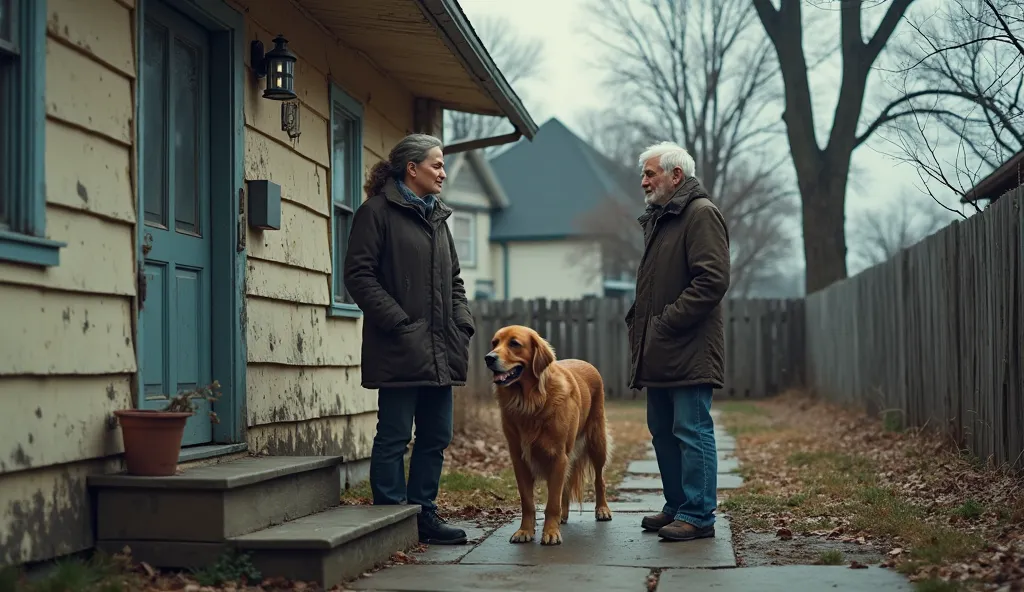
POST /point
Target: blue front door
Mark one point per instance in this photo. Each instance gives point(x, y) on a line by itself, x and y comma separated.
point(175, 195)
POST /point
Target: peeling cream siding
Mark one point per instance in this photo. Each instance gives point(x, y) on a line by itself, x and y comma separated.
point(559, 269)
point(67, 358)
point(304, 396)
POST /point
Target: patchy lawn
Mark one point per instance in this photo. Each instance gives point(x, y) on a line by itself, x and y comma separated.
point(827, 486)
point(478, 481)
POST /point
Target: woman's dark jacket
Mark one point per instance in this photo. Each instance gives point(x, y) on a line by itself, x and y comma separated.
point(402, 271)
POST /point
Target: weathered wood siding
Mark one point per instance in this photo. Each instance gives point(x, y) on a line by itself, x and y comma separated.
point(303, 376)
point(67, 358)
point(933, 336)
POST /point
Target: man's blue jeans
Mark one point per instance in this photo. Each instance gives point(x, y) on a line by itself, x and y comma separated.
point(396, 408)
point(684, 441)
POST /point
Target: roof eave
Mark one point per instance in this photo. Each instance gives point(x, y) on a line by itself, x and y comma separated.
point(494, 188)
point(992, 186)
point(458, 34)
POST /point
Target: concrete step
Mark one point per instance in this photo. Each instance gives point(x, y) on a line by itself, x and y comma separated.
point(331, 546)
point(210, 504)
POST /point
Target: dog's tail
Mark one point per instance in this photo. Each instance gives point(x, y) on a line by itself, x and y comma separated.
point(581, 471)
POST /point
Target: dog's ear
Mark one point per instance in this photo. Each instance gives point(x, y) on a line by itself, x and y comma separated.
point(543, 355)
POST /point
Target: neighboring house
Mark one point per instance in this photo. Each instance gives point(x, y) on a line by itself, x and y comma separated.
point(531, 203)
point(1000, 181)
point(132, 130)
point(474, 194)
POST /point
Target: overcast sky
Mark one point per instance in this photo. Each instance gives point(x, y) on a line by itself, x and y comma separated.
point(571, 85)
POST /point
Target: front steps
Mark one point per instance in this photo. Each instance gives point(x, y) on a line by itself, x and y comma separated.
point(283, 510)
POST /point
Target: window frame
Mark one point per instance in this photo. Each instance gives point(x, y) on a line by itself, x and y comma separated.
point(471, 217)
point(23, 135)
point(348, 198)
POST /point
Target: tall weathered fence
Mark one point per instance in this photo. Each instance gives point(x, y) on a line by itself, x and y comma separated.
point(764, 341)
point(933, 335)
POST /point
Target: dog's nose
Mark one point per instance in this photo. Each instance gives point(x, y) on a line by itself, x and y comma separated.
point(491, 358)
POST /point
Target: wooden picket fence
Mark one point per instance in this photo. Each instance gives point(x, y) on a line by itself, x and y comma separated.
point(764, 341)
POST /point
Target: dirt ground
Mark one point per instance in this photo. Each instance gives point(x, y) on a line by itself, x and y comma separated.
point(832, 486)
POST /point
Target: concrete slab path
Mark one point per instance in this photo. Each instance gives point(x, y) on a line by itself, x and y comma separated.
point(615, 555)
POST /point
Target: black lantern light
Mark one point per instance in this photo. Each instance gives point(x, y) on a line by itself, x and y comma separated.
point(278, 66)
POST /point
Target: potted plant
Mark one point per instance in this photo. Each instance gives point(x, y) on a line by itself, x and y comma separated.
point(152, 437)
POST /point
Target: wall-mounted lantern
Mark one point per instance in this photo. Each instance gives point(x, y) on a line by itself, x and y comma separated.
point(277, 66)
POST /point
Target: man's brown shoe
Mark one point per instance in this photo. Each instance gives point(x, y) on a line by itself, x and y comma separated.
point(656, 522)
point(684, 531)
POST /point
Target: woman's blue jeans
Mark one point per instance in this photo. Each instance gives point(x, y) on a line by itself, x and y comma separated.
point(431, 407)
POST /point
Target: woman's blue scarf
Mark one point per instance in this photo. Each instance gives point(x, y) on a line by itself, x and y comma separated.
point(425, 204)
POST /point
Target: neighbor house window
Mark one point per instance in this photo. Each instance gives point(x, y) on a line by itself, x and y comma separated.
point(346, 188)
point(22, 134)
point(463, 227)
point(484, 290)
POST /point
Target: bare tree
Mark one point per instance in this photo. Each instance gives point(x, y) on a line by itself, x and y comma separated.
point(877, 235)
point(519, 57)
point(822, 173)
point(964, 73)
point(701, 73)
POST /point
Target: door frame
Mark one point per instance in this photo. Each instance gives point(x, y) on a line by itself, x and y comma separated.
point(227, 221)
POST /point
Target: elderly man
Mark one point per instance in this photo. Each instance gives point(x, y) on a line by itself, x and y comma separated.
point(676, 337)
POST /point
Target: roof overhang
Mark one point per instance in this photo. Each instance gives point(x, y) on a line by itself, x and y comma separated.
point(1005, 178)
point(430, 48)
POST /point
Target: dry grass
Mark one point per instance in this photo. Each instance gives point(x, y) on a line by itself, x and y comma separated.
point(815, 470)
point(478, 481)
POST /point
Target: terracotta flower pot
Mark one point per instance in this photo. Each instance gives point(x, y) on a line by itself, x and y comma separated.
point(152, 440)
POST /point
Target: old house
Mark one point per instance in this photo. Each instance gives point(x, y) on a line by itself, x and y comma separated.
point(164, 223)
point(549, 218)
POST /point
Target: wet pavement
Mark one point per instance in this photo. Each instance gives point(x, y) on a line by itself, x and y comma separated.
point(615, 555)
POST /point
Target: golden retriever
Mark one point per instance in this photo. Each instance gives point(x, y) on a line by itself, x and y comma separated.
point(552, 413)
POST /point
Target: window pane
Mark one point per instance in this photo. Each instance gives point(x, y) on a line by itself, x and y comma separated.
point(6, 20)
point(186, 79)
point(343, 158)
point(154, 120)
point(342, 219)
point(463, 227)
point(463, 248)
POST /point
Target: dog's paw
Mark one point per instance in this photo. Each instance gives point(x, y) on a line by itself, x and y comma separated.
point(603, 514)
point(551, 537)
point(564, 519)
point(521, 536)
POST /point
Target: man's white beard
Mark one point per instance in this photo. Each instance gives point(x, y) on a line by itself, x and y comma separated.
point(657, 197)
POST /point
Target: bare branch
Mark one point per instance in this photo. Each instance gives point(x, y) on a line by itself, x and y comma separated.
point(701, 73)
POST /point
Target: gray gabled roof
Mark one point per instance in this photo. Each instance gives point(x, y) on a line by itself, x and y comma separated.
point(553, 181)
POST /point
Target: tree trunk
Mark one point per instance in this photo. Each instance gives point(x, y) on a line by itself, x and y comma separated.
point(824, 205)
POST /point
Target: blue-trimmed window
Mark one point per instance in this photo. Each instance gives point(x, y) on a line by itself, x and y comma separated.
point(346, 189)
point(22, 135)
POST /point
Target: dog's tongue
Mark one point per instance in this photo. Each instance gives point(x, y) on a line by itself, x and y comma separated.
point(501, 377)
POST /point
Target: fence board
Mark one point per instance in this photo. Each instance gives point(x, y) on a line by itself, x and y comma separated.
point(763, 353)
point(933, 335)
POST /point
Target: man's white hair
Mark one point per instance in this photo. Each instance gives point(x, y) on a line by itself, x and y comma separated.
point(670, 155)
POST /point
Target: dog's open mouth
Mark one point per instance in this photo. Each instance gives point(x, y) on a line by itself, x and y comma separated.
point(507, 378)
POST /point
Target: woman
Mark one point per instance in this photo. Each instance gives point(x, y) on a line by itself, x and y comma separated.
point(402, 271)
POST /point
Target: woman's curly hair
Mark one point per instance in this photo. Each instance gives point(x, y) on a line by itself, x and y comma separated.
point(412, 148)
